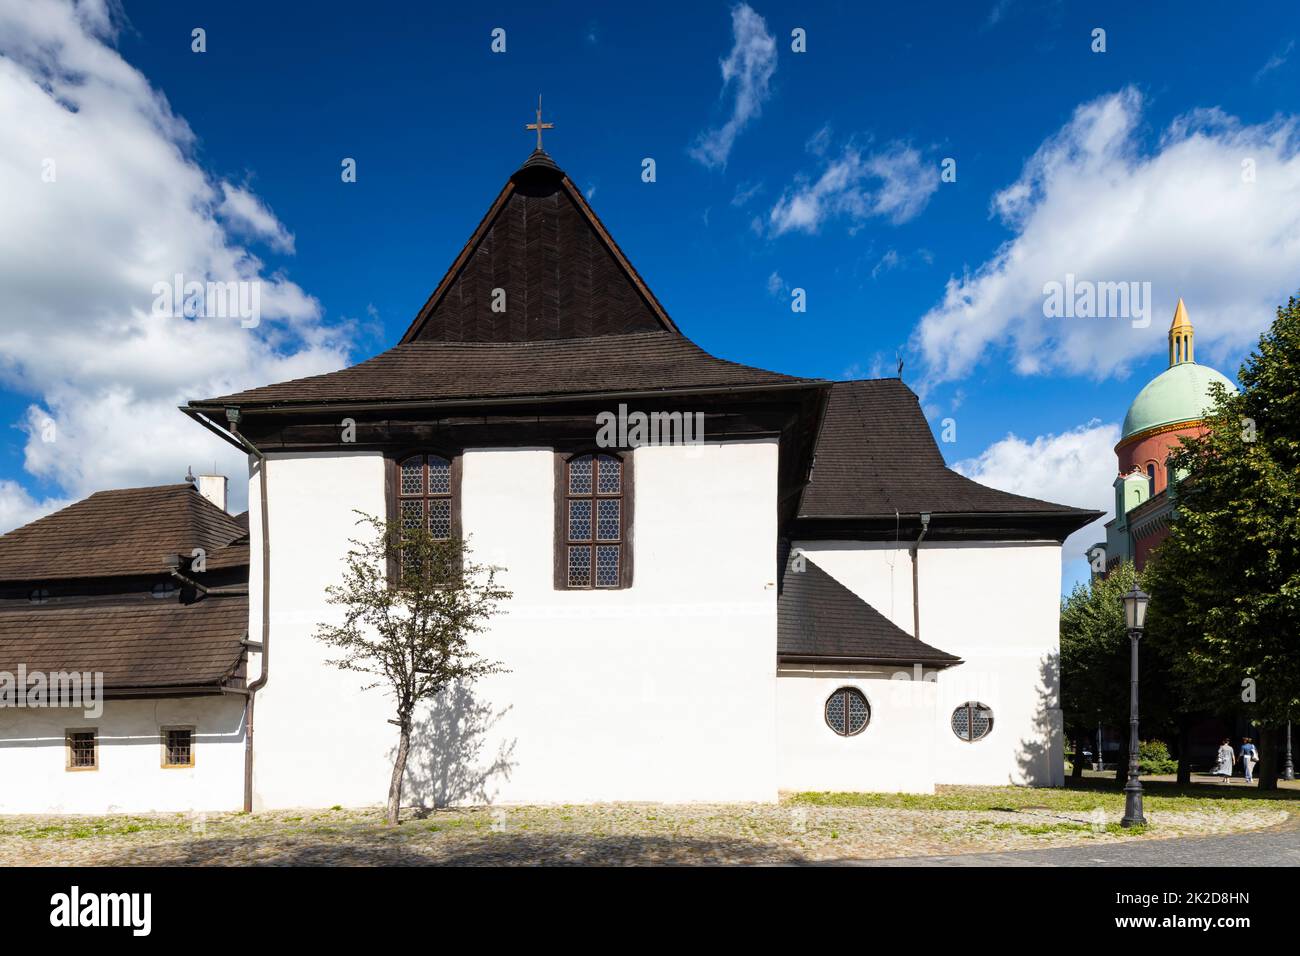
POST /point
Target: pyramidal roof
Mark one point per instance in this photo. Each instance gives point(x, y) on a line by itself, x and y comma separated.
point(540, 303)
point(126, 531)
point(539, 266)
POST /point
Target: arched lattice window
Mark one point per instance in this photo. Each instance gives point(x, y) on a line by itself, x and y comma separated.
point(847, 711)
point(972, 721)
point(1151, 479)
point(424, 494)
point(594, 521)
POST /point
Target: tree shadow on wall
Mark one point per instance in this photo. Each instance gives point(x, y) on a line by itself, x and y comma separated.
point(448, 765)
point(1034, 755)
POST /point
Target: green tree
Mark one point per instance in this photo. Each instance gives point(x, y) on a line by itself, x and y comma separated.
point(1095, 661)
point(411, 602)
point(1225, 585)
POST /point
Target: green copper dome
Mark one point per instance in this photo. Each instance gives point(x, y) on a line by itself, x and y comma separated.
point(1180, 393)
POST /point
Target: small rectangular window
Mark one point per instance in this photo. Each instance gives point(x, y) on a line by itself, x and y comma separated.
point(178, 746)
point(83, 749)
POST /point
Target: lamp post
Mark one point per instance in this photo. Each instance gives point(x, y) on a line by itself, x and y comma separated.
point(1288, 768)
point(1135, 616)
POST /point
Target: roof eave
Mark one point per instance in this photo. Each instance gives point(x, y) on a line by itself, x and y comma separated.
point(940, 664)
point(259, 408)
point(950, 525)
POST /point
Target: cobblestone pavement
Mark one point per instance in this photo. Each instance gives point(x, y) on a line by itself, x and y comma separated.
point(989, 822)
point(1271, 846)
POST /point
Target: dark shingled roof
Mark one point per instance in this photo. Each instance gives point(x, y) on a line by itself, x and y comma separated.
point(233, 555)
point(114, 533)
point(819, 618)
point(148, 644)
point(876, 455)
point(433, 371)
point(561, 273)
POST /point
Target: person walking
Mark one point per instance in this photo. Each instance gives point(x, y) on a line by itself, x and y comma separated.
point(1226, 758)
point(1249, 757)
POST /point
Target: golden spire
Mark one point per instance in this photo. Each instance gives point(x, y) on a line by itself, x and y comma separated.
point(1181, 348)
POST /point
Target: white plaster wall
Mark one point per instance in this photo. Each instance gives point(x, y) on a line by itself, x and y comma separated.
point(895, 752)
point(317, 739)
point(130, 778)
point(995, 605)
point(663, 691)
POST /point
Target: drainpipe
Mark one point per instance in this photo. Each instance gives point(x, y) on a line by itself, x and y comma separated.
point(232, 416)
point(916, 595)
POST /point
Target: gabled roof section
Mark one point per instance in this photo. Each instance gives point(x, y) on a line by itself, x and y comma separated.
point(819, 619)
point(877, 457)
point(147, 644)
point(562, 274)
point(114, 533)
point(432, 371)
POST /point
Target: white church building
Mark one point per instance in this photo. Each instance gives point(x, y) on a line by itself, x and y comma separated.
point(801, 596)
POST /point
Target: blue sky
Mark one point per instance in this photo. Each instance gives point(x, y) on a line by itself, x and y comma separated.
point(830, 184)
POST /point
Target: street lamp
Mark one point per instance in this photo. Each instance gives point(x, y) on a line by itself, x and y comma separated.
point(1135, 616)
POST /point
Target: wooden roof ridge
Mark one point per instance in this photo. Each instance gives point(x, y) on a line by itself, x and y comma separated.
point(539, 160)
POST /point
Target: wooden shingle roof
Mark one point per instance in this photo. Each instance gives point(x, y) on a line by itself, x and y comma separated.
point(115, 533)
point(144, 644)
point(876, 457)
point(819, 619)
point(434, 371)
point(558, 271)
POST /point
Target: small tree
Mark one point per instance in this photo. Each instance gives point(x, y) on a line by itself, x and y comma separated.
point(411, 602)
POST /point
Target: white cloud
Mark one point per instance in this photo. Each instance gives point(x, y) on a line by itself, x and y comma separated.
point(247, 214)
point(18, 507)
point(890, 260)
point(895, 184)
point(775, 284)
point(745, 192)
point(747, 76)
point(1074, 468)
point(820, 141)
point(893, 259)
point(1094, 202)
point(1274, 61)
point(129, 207)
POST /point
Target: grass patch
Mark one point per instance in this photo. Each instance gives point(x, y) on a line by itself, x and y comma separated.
point(91, 828)
point(1077, 796)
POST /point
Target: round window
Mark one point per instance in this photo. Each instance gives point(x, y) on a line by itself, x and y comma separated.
point(972, 721)
point(847, 711)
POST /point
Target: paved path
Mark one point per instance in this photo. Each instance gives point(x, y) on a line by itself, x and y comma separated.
point(1274, 846)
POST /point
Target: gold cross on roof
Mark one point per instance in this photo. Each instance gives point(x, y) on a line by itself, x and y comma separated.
point(539, 125)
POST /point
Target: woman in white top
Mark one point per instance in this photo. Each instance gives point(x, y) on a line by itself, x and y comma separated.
point(1226, 758)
